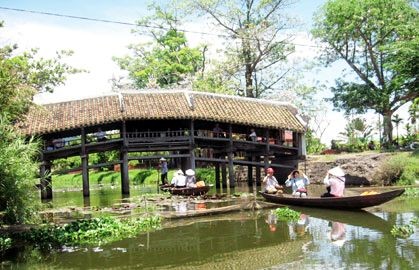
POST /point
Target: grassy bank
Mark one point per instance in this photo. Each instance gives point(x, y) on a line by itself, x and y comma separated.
point(400, 169)
point(136, 176)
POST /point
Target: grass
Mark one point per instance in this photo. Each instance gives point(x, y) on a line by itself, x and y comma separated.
point(400, 169)
point(106, 178)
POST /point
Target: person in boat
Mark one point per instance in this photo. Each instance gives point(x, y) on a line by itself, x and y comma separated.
point(163, 169)
point(179, 179)
point(271, 184)
point(335, 182)
point(190, 178)
point(298, 183)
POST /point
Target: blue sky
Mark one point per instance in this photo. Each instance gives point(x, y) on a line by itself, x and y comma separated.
point(95, 43)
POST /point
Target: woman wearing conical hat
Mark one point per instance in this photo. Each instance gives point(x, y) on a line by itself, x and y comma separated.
point(335, 182)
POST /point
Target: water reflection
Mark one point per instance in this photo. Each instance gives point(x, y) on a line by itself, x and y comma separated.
point(337, 233)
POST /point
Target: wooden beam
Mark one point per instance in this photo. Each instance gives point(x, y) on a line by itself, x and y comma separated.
point(45, 181)
point(249, 173)
point(224, 175)
point(159, 156)
point(212, 160)
point(217, 175)
point(230, 157)
point(192, 145)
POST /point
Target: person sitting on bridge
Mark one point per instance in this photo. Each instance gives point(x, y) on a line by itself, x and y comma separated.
point(179, 179)
point(252, 136)
point(298, 183)
point(270, 182)
point(217, 132)
point(190, 178)
point(100, 135)
point(335, 182)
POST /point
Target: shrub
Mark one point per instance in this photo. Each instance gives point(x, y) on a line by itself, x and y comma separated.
point(402, 169)
point(18, 174)
point(140, 177)
point(205, 174)
point(287, 214)
point(5, 243)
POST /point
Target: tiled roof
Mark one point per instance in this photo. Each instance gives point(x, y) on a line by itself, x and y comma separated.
point(50, 118)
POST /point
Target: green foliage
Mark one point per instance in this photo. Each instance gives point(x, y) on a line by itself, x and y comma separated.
point(401, 169)
point(414, 221)
point(5, 243)
point(165, 62)
point(18, 173)
point(206, 174)
point(287, 214)
point(141, 176)
point(403, 231)
point(314, 146)
point(90, 232)
point(379, 42)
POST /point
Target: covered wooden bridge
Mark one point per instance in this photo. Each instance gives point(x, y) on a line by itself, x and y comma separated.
point(193, 128)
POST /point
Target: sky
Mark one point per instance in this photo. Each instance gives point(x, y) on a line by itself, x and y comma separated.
point(95, 43)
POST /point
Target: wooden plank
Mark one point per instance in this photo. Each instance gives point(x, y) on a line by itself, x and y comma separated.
point(124, 157)
point(212, 160)
point(159, 156)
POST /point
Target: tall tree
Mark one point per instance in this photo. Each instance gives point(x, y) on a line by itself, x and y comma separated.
point(22, 76)
point(167, 60)
point(378, 40)
point(256, 42)
point(397, 120)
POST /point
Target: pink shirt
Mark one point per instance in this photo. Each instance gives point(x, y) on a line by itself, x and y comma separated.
point(337, 184)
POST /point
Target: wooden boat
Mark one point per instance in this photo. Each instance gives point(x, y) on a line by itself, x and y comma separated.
point(345, 203)
point(165, 187)
point(189, 191)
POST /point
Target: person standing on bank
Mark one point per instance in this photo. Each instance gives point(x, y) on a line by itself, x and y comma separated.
point(335, 182)
point(163, 170)
point(298, 183)
point(271, 184)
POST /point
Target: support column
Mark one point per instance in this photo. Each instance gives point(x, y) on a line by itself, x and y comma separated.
point(267, 149)
point(230, 158)
point(258, 180)
point(45, 181)
point(224, 174)
point(249, 173)
point(124, 165)
point(217, 175)
point(84, 163)
point(192, 145)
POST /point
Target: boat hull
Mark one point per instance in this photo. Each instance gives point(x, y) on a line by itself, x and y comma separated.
point(346, 203)
point(189, 191)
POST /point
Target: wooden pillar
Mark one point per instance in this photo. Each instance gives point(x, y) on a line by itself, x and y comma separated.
point(217, 175)
point(124, 157)
point(249, 173)
point(295, 140)
point(192, 145)
point(230, 157)
point(258, 180)
point(302, 152)
point(84, 164)
point(224, 174)
point(267, 149)
point(45, 181)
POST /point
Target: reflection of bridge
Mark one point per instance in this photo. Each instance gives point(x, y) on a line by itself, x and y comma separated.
point(173, 124)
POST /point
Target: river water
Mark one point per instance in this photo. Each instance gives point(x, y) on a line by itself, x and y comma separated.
point(320, 239)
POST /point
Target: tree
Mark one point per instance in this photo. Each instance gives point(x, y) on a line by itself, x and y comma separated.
point(254, 46)
point(379, 42)
point(167, 60)
point(22, 76)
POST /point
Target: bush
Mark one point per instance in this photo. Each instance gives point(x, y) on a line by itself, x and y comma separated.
point(19, 200)
point(402, 169)
point(5, 243)
point(140, 177)
point(205, 174)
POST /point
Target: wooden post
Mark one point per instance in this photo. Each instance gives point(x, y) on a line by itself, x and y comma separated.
point(192, 145)
point(217, 175)
point(45, 181)
point(84, 163)
point(230, 157)
point(267, 149)
point(249, 173)
point(124, 157)
point(224, 174)
point(295, 141)
point(258, 180)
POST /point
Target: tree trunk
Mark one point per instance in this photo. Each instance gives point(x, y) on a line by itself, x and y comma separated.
point(388, 129)
point(249, 81)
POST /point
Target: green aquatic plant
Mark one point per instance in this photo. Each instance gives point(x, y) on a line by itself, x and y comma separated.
point(287, 214)
point(92, 231)
point(402, 231)
point(411, 192)
point(5, 243)
point(415, 221)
